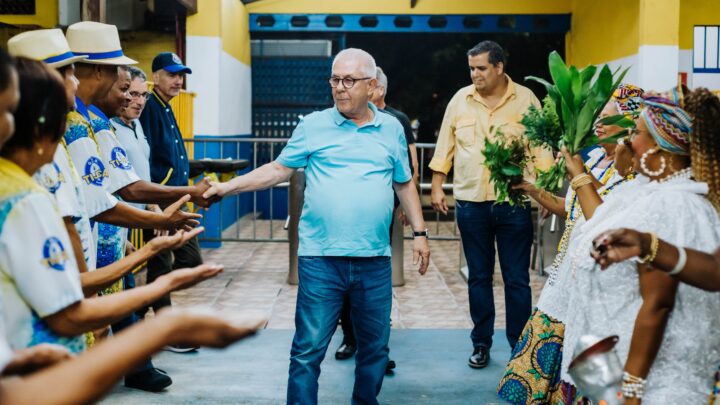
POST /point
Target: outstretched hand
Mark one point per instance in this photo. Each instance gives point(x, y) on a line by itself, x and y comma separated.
point(35, 358)
point(172, 242)
point(175, 218)
point(216, 190)
point(198, 196)
point(208, 328)
point(525, 187)
point(185, 278)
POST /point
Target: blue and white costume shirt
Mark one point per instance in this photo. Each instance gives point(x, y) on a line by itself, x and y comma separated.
point(38, 272)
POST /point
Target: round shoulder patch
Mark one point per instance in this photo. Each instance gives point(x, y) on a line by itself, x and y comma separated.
point(94, 172)
point(119, 158)
point(54, 254)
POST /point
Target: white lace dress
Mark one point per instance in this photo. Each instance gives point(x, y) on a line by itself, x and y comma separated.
point(553, 299)
point(607, 302)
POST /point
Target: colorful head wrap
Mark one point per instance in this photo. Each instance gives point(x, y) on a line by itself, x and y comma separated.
point(669, 125)
point(628, 100)
point(676, 95)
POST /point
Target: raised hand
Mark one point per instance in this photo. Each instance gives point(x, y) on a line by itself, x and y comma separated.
point(185, 278)
point(165, 242)
point(206, 327)
point(618, 245)
point(573, 163)
point(175, 218)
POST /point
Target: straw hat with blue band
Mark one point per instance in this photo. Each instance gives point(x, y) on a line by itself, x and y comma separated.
point(49, 46)
point(100, 42)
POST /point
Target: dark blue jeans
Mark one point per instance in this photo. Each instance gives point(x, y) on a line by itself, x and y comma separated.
point(481, 226)
point(324, 281)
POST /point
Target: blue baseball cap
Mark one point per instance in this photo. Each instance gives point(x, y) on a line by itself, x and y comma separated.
point(170, 62)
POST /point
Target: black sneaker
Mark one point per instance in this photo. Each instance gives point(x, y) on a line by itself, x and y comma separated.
point(151, 380)
point(480, 357)
point(390, 367)
point(180, 348)
point(345, 351)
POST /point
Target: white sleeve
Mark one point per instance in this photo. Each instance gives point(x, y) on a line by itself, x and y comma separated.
point(6, 353)
point(90, 167)
point(119, 167)
point(41, 262)
point(59, 178)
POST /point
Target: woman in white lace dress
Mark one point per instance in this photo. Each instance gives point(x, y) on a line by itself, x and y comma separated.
point(533, 373)
point(666, 329)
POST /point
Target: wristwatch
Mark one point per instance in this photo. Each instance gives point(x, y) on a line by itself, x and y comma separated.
point(424, 233)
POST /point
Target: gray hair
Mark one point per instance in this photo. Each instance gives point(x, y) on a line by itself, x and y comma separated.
point(368, 65)
point(382, 79)
point(137, 73)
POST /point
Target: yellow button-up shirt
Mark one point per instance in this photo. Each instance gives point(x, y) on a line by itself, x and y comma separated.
point(467, 122)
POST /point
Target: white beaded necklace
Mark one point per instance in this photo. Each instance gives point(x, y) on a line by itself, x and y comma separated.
point(685, 174)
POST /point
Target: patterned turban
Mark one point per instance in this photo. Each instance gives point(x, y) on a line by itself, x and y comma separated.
point(669, 125)
point(676, 95)
point(628, 100)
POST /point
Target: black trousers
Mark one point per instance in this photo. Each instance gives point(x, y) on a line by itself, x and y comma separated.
point(187, 255)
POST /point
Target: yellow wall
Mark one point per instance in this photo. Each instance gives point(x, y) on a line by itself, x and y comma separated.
point(599, 33)
point(143, 46)
point(235, 32)
point(206, 22)
point(403, 6)
point(46, 15)
point(227, 19)
point(696, 12)
point(659, 22)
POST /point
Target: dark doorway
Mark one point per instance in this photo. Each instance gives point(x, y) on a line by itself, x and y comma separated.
point(425, 70)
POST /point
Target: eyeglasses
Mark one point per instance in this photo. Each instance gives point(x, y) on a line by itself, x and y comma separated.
point(347, 82)
point(135, 94)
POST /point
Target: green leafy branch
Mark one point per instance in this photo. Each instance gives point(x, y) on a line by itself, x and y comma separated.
point(506, 159)
point(574, 101)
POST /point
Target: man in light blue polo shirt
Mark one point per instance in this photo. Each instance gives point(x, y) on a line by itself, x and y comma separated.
point(354, 156)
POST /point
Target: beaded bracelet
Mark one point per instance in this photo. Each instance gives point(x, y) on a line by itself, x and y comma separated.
point(654, 244)
point(580, 180)
point(632, 386)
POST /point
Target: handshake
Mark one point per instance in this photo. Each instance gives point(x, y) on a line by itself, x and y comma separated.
point(203, 195)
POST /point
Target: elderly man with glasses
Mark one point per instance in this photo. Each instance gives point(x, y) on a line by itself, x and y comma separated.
point(353, 156)
point(128, 128)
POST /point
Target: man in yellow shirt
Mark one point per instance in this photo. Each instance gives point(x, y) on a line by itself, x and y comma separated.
point(476, 112)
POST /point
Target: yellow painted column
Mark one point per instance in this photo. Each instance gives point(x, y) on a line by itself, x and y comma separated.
point(218, 51)
point(658, 54)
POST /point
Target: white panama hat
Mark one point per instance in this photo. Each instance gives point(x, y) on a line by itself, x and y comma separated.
point(100, 42)
point(49, 46)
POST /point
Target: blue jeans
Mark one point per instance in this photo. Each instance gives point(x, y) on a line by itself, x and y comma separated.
point(324, 282)
point(481, 226)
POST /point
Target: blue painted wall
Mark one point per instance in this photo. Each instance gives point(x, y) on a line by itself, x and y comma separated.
point(224, 214)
